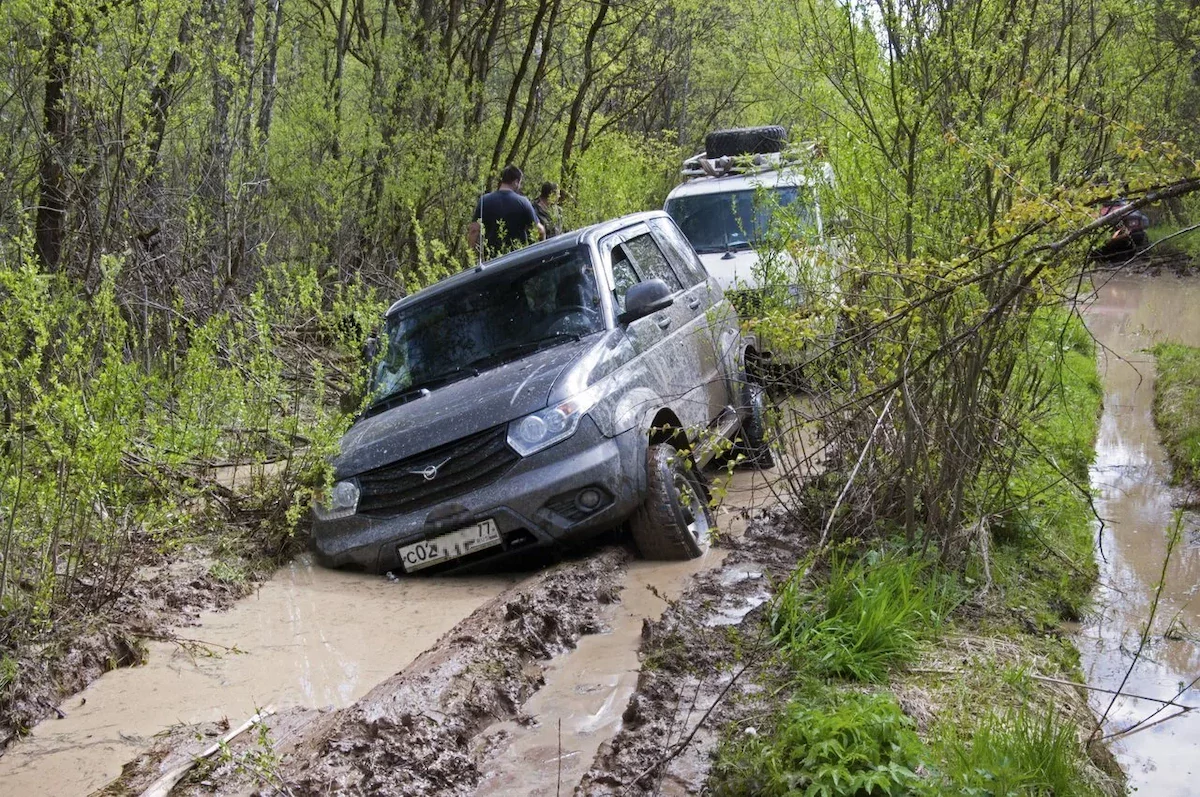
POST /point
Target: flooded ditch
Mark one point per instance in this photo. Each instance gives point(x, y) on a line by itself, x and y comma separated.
point(1131, 480)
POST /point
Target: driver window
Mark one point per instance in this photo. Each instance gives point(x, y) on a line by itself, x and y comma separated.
point(624, 276)
point(651, 263)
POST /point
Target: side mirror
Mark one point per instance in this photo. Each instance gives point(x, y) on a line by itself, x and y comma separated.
point(371, 348)
point(646, 298)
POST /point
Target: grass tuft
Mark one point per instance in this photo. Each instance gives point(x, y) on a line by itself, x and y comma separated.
point(1019, 753)
point(867, 618)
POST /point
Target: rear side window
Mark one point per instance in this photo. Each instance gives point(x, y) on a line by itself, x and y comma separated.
point(679, 252)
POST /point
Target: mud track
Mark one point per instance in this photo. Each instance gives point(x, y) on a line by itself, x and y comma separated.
point(703, 663)
point(447, 721)
point(411, 734)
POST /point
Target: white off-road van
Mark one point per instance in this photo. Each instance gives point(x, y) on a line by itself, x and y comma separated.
point(750, 205)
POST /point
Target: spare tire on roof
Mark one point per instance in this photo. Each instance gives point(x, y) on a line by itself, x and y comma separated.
point(745, 141)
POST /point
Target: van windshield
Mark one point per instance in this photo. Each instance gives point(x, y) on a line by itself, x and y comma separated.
point(734, 220)
point(487, 322)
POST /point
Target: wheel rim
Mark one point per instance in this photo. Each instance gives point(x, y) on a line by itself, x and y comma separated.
point(693, 508)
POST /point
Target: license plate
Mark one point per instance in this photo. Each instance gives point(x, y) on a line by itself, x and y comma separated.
point(449, 546)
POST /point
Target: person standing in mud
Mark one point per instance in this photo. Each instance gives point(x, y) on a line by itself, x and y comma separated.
point(548, 212)
point(504, 219)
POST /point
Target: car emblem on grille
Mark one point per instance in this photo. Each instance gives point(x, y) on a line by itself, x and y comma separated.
point(430, 472)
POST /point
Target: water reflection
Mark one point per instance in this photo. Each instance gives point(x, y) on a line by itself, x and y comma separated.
point(1130, 477)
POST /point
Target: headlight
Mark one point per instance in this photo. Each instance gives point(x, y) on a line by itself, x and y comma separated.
point(342, 502)
point(546, 427)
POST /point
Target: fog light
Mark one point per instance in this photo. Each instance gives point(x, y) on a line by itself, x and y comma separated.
point(588, 499)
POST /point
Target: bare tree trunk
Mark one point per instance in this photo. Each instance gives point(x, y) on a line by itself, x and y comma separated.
point(585, 84)
point(539, 73)
point(535, 31)
point(51, 225)
point(340, 45)
point(270, 69)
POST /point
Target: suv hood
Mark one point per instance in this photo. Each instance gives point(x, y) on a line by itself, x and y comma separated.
point(732, 273)
point(455, 410)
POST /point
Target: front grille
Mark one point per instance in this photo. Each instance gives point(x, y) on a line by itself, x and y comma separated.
point(466, 464)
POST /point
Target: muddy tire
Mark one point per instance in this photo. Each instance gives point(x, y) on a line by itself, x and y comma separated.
point(753, 443)
point(745, 141)
point(674, 521)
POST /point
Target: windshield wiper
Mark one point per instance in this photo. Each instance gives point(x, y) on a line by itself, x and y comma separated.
point(421, 390)
point(517, 349)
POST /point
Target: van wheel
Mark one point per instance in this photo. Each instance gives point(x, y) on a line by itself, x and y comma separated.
point(674, 522)
point(754, 442)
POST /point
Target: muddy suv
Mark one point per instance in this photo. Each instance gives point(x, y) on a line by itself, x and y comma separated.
point(544, 397)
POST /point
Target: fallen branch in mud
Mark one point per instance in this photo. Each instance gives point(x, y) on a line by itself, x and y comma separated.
point(163, 786)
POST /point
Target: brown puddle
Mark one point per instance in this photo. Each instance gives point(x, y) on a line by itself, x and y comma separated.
point(586, 691)
point(309, 637)
point(1130, 477)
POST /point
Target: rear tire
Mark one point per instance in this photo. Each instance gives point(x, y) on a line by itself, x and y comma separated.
point(745, 141)
point(674, 522)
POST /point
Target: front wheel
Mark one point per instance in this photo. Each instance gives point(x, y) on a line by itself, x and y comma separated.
point(753, 443)
point(674, 522)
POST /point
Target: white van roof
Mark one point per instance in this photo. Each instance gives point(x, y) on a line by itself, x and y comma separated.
point(773, 178)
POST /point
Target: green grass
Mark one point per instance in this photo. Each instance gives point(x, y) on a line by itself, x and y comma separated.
point(866, 619)
point(1019, 753)
point(1043, 558)
point(890, 619)
point(1188, 242)
point(840, 744)
point(1177, 407)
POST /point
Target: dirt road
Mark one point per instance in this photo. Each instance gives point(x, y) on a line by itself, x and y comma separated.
point(316, 639)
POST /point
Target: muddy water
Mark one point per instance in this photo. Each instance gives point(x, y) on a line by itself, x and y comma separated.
point(310, 637)
point(587, 690)
point(1130, 478)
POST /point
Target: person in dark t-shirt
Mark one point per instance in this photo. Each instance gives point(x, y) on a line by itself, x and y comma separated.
point(506, 219)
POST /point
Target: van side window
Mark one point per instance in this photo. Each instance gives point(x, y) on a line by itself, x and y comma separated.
point(651, 262)
point(679, 252)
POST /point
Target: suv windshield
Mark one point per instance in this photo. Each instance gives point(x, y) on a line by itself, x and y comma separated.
point(731, 219)
point(487, 322)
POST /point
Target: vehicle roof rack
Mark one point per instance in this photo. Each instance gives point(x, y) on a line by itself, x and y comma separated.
point(699, 165)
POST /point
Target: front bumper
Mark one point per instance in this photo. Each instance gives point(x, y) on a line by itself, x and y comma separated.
point(531, 505)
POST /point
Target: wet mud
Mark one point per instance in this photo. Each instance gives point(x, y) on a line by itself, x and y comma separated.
point(414, 732)
point(1131, 478)
point(521, 697)
point(166, 591)
point(308, 637)
point(702, 666)
point(585, 699)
